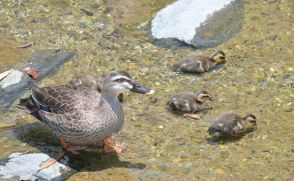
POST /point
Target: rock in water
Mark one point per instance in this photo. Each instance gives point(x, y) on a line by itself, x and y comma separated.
point(16, 81)
point(24, 166)
point(200, 23)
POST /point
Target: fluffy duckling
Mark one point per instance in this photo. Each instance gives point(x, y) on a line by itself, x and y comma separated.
point(232, 125)
point(199, 63)
point(188, 103)
point(89, 81)
point(92, 82)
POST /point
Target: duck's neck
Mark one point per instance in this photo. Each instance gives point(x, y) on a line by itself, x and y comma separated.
point(112, 99)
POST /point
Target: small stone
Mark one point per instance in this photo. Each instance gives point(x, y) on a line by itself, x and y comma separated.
point(254, 18)
point(219, 171)
point(95, 5)
point(160, 126)
point(88, 13)
point(273, 37)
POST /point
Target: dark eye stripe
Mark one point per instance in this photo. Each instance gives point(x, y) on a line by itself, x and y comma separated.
point(122, 80)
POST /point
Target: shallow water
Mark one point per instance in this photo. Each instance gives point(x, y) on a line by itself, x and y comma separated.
point(257, 78)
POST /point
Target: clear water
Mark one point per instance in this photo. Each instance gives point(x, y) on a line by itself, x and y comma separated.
point(257, 78)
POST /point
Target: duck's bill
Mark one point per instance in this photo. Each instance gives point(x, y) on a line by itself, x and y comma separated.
point(141, 89)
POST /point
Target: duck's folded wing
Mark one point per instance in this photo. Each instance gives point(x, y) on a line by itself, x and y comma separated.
point(63, 104)
point(191, 65)
point(60, 123)
point(64, 99)
point(59, 99)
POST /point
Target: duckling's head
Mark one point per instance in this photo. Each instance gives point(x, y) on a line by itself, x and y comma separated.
point(202, 96)
point(120, 81)
point(250, 120)
point(218, 56)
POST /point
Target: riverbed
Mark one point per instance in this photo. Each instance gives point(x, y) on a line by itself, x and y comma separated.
point(257, 78)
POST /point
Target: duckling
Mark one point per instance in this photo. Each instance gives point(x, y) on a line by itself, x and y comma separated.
point(88, 81)
point(93, 82)
point(199, 63)
point(232, 125)
point(188, 103)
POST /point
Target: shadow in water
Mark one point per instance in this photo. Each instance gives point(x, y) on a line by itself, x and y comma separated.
point(220, 141)
point(38, 136)
point(224, 140)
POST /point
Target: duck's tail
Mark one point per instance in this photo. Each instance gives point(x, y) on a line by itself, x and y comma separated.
point(27, 104)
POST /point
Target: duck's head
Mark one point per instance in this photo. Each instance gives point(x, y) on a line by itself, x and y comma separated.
point(250, 120)
point(218, 56)
point(119, 81)
point(202, 96)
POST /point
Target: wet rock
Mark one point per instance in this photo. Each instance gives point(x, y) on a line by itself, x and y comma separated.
point(13, 77)
point(197, 23)
point(25, 45)
point(15, 83)
point(24, 166)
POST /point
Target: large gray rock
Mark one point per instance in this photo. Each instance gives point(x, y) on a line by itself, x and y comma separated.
point(24, 166)
point(200, 23)
point(16, 81)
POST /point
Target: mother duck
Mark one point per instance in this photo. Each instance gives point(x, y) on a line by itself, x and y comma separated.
point(81, 116)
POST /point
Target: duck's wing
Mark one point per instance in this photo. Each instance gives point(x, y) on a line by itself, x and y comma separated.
point(61, 99)
point(229, 124)
point(64, 103)
point(181, 102)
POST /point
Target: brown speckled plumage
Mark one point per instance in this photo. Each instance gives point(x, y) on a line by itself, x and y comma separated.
point(198, 63)
point(232, 125)
point(186, 102)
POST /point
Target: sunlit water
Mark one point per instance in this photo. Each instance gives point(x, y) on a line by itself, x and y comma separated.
point(257, 78)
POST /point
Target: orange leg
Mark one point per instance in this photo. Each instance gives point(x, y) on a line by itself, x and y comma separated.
point(67, 145)
point(56, 157)
point(109, 145)
point(64, 144)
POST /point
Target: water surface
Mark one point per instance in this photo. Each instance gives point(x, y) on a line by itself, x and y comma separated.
point(257, 78)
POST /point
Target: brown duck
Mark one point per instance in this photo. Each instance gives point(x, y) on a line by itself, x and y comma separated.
point(188, 103)
point(81, 116)
point(196, 63)
point(232, 125)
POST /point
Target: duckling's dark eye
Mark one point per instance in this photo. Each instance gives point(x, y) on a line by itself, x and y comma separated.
point(121, 80)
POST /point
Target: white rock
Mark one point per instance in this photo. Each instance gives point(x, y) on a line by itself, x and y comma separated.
point(200, 23)
point(13, 77)
point(25, 166)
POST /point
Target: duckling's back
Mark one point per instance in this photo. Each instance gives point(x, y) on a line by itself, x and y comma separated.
point(193, 64)
point(224, 125)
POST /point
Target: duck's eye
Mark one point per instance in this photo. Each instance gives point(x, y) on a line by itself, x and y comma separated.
point(120, 80)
